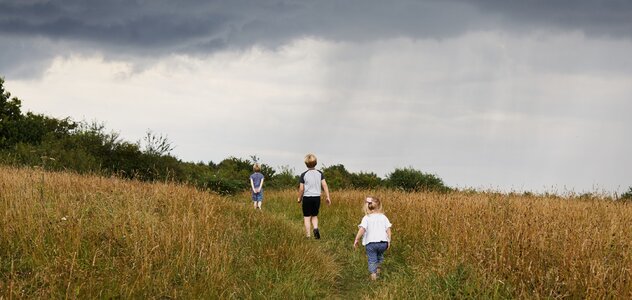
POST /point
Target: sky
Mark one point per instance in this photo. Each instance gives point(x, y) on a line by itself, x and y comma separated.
point(486, 94)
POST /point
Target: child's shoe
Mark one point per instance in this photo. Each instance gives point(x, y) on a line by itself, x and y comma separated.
point(373, 276)
point(316, 234)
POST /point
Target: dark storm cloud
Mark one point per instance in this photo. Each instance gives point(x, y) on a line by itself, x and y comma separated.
point(116, 23)
point(594, 17)
point(174, 24)
point(162, 23)
point(153, 28)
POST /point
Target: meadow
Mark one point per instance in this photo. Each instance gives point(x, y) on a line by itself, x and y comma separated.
point(64, 235)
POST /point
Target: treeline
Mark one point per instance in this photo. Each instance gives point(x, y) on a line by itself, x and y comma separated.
point(28, 139)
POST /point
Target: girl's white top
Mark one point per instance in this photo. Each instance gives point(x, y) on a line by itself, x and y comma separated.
point(375, 226)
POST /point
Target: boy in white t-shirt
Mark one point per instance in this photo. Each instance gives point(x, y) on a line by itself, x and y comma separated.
point(375, 230)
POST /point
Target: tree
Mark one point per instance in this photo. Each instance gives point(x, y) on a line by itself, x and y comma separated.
point(10, 115)
point(156, 144)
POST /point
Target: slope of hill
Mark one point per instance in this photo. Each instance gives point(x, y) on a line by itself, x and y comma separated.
point(65, 235)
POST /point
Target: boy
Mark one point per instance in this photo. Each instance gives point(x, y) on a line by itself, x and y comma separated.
point(256, 186)
point(311, 183)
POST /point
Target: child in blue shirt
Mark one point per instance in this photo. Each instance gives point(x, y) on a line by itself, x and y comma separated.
point(256, 186)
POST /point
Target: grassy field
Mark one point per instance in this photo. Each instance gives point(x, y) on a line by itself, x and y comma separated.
point(69, 236)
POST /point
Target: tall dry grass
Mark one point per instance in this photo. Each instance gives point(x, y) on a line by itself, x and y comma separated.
point(486, 245)
point(70, 236)
point(531, 247)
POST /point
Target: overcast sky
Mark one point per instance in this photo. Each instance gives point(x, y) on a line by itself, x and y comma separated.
point(489, 94)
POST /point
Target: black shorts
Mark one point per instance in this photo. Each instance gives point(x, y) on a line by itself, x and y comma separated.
point(311, 205)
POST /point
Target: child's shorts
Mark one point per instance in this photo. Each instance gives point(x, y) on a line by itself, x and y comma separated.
point(257, 197)
point(311, 205)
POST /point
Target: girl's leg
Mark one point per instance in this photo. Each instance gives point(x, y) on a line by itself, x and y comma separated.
point(259, 204)
point(371, 254)
point(307, 221)
point(380, 255)
point(255, 204)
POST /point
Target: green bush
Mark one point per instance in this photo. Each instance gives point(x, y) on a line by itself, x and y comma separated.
point(337, 177)
point(224, 186)
point(409, 179)
point(283, 180)
point(627, 195)
point(365, 180)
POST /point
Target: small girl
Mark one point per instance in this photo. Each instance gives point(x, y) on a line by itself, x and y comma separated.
point(375, 230)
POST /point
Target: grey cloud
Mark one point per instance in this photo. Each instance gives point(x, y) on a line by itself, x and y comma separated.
point(155, 28)
point(603, 17)
point(155, 23)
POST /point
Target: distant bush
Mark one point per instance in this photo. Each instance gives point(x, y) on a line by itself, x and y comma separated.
point(28, 139)
point(365, 180)
point(337, 177)
point(627, 195)
point(286, 179)
point(224, 186)
point(409, 179)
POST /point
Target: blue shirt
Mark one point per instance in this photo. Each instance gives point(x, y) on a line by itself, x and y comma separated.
point(256, 179)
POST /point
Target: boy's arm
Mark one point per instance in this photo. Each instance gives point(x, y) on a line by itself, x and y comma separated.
point(390, 240)
point(261, 185)
point(252, 186)
point(324, 184)
point(358, 236)
point(301, 189)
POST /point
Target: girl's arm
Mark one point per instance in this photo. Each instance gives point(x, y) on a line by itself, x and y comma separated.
point(358, 236)
point(390, 240)
point(252, 186)
point(301, 189)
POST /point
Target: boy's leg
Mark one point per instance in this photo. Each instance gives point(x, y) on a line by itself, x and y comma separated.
point(307, 222)
point(315, 225)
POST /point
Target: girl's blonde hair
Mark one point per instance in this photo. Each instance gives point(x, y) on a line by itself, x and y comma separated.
point(310, 160)
point(372, 205)
point(256, 168)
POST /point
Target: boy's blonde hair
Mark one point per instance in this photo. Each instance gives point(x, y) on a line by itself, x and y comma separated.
point(256, 168)
point(310, 160)
point(372, 205)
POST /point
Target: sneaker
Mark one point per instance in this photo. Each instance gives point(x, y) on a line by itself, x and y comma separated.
point(316, 234)
point(373, 276)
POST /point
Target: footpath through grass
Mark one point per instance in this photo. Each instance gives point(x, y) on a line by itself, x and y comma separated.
point(338, 226)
